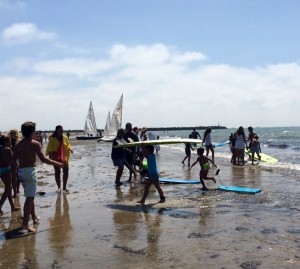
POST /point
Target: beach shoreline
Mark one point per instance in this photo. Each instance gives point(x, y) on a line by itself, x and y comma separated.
point(99, 226)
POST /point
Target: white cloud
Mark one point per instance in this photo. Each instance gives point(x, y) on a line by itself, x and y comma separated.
point(160, 88)
point(12, 4)
point(25, 33)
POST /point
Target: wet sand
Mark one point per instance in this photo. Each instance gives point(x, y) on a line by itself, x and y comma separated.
point(98, 226)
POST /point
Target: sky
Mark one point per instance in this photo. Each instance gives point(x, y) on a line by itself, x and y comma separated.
point(178, 63)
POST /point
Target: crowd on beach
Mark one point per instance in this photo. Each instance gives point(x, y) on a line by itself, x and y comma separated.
point(18, 166)
point(18, 161)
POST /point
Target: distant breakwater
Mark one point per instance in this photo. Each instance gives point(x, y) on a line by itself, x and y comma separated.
point(184, 128)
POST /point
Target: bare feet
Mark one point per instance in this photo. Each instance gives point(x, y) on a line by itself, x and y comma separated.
point(29, 229)
point(141, 202)
point(66, 191)
point(36, 220)
point(204, 189)
point(16, 208)
point(213, 179)
point(58, 190)
point(162, 199)
point(1, 212)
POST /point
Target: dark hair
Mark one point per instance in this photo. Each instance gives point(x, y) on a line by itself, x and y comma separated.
point(200, 151)
point(27, 128)
point(150, 148)
point(56, 129)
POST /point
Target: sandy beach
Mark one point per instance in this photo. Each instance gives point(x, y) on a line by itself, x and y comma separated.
point(99, 226)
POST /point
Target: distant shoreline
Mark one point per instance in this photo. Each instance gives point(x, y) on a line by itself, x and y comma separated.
point(166, 128)
point(149, 129)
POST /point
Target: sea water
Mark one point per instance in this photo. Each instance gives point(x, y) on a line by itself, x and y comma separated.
point(282, 143)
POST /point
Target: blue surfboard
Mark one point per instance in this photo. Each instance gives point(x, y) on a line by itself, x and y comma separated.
point(179, 181)
point(239, 189)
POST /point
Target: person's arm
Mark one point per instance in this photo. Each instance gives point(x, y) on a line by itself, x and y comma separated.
point(44, 159)
point(211, 161)
point(193, 164)
point(245, 141)
point(9, 153)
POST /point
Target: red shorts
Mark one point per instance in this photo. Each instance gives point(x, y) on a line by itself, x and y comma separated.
point(203, 173)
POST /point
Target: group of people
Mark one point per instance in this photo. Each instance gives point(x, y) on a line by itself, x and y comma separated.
point(18, 163)
point(120, 158)
point(128, 157)
point(238, 142)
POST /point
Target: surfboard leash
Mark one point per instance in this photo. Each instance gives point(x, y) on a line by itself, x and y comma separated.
point(217, 174)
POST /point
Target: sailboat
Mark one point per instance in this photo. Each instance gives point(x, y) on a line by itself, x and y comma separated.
point(113, 123)
point(90, 127)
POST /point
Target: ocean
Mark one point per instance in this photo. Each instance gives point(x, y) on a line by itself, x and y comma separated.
point(282, 143)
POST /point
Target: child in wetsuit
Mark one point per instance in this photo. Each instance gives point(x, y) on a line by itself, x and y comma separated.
point(204, 164)
point(148, 152)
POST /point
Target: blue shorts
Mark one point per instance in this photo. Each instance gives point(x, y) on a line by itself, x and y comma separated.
point(254, 149)
point(27, 177)
point(4, 170)
point(119, 162)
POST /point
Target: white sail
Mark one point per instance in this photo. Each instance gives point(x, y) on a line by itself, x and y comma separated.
point(107, 125)
point(90, 127)
point(116, 118)
point(114, 123)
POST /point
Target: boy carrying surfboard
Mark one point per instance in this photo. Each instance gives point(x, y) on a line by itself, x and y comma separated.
point(204, 164)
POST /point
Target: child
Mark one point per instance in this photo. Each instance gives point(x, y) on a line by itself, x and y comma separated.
point(204, 164)
point(188, 148)
point(6, 156)
point(24, 157)
point(255, 148)
point(148, 152)
point(143, 170)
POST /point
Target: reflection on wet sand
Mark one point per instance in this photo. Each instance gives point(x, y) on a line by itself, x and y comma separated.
point(18, 246)
point(60, 227)
point(134, 221)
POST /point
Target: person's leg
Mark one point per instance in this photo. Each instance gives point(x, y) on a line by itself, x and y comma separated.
point(131, 170)
point(119, 174)
point(65, 176)
point(6, 178)
point(184, 159)
point(212, 153)
point(204, 188)
point(160, 191)
point(14, 182)
point(34, 217)
point(57, 178)
point(27, 211)
point(146, 191)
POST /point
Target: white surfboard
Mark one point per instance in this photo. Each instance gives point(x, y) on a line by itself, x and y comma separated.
point(160, 142)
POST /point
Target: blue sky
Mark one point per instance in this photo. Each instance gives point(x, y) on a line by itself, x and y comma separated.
point(178, 63)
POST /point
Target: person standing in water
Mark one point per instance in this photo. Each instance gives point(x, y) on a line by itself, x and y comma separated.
point(59, 150)
point(188, 148)
point(208, 144)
